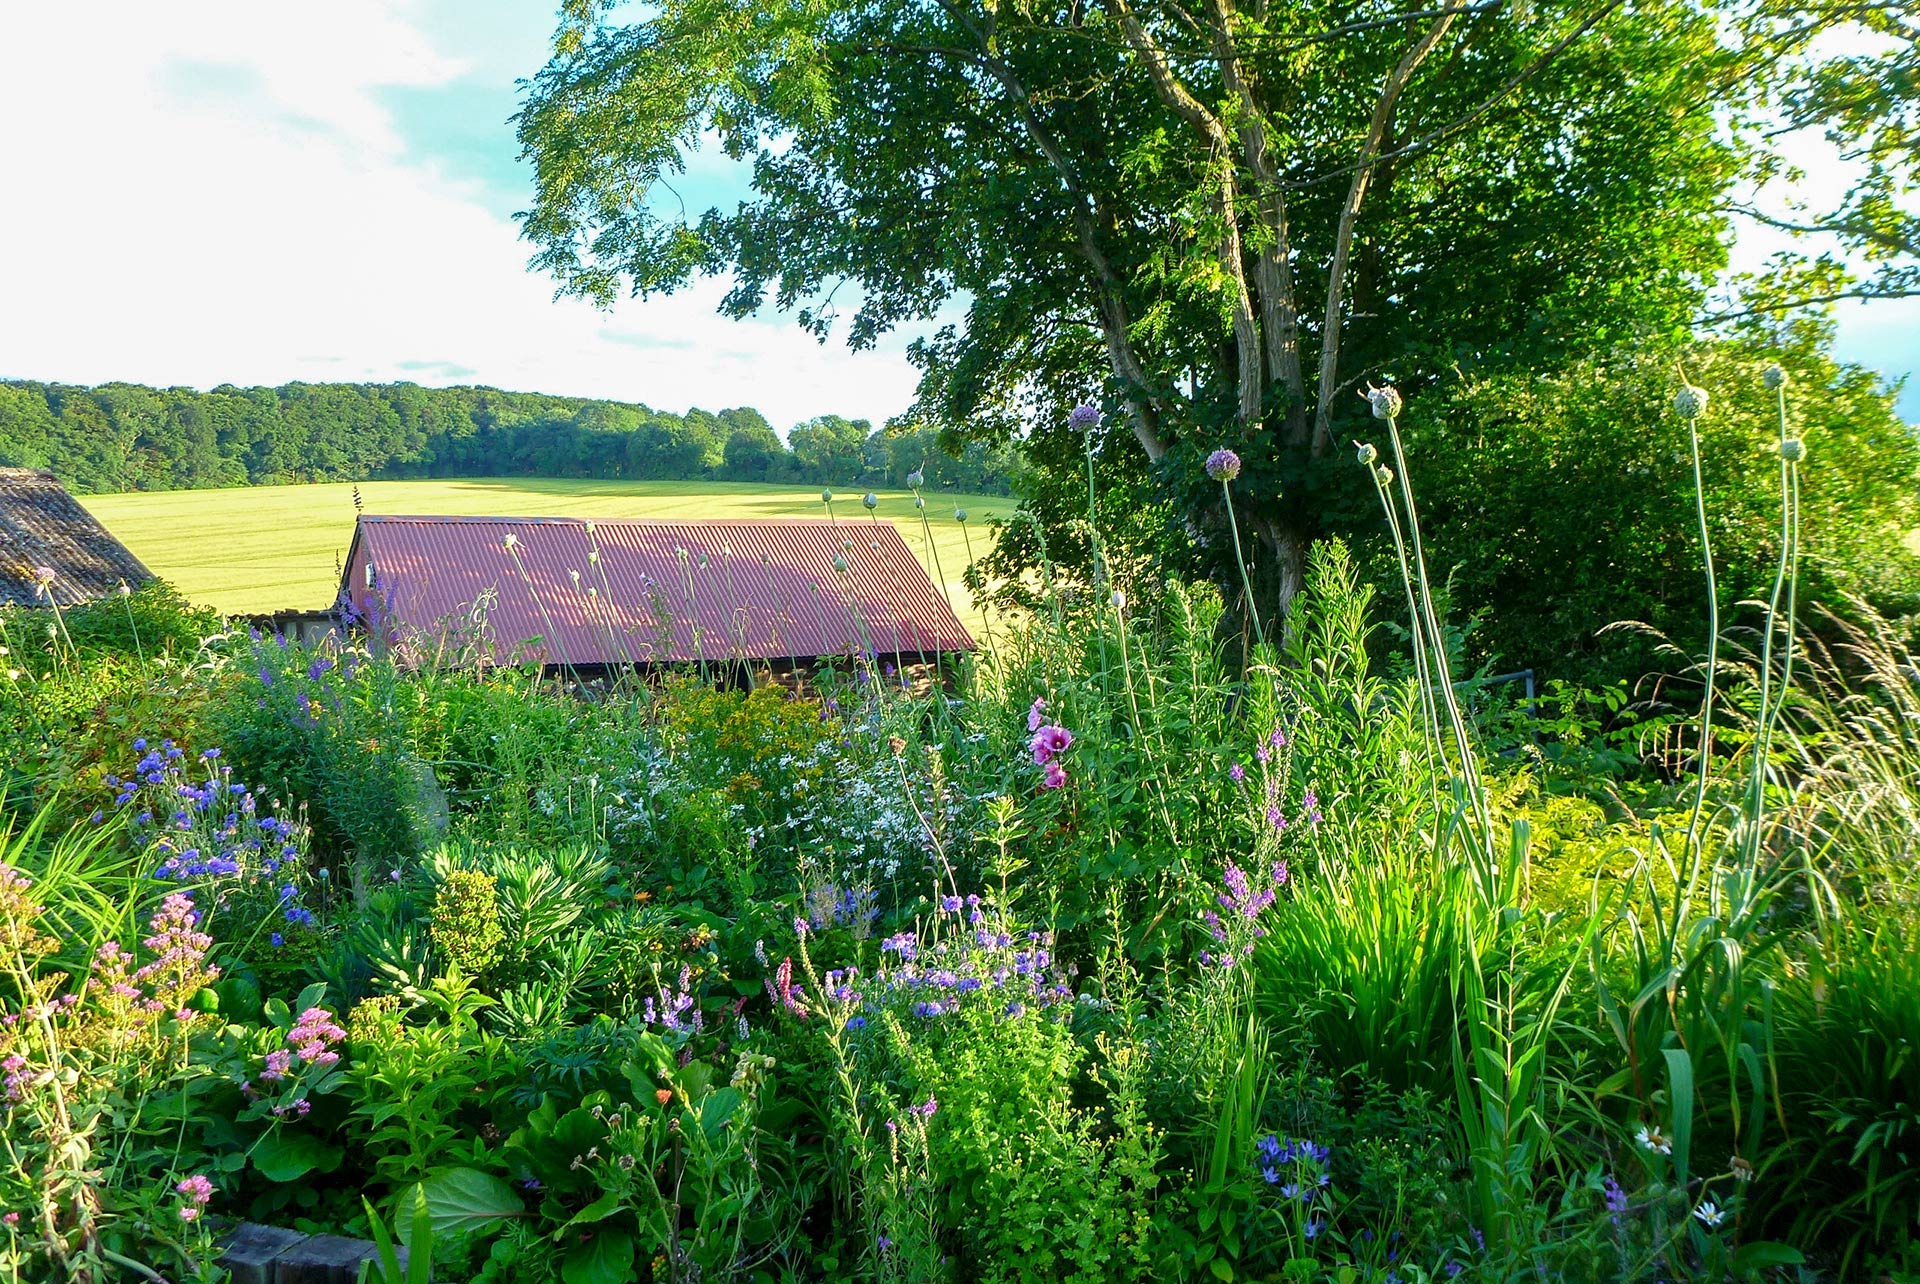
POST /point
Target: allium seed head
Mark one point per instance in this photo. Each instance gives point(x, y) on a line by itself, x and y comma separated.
point(1793, 450)
point(959, 514)
point(871, 500)
point(1774, 378)
point(1223, 465)
point(916, 479)
point(826, 497)
point(1385, 402)
point(1690, 402)
point(1366, 454)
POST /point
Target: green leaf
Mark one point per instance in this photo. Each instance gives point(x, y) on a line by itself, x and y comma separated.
point(467, 1201)
point(599, 1210)
point(607, 1258)
point(1763, 1253)
point(1221, 1270)
point(284, 1155)
point(1680, 1098)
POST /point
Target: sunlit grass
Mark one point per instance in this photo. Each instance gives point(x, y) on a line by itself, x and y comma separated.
point(269, 548)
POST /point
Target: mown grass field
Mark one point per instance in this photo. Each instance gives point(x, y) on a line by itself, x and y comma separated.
point(268, 548)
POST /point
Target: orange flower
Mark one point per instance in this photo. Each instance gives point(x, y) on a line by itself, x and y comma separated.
point(663, 1096)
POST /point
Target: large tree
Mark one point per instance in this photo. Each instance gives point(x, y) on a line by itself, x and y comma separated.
point(1223, 217)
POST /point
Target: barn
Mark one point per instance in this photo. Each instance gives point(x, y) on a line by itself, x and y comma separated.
point(52, 551)
point(591, 595)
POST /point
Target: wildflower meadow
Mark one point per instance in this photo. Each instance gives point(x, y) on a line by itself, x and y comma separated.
point(1158, 940)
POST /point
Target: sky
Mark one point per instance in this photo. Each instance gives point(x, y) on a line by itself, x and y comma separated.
point(251, 193)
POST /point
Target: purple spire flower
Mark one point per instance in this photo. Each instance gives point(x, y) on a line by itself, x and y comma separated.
point(1223, 465)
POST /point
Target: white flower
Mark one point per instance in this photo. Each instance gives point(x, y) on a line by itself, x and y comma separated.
point(1655, 1140)
point(1710, 1215)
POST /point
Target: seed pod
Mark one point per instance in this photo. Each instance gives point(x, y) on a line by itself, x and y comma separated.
point(826, 497)
point(1366, 454)
point(1774, 378)
point(871, 500)
point(1793, 450)
point(916, 479)
point(1383, 475)
point(1385, 402)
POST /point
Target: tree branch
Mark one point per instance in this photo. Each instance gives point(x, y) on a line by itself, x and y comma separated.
point(1453, 127)
point(1383, 110)
point(1246, 331)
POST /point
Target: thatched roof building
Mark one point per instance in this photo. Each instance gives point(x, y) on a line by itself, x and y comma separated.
point(49, 545)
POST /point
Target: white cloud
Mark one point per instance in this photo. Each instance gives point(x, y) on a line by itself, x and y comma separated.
point(223, 196)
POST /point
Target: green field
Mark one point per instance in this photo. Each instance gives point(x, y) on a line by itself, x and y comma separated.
point(270, 548)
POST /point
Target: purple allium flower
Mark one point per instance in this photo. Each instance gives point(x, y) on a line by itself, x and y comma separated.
point(1223, 465)
point(1083, 417)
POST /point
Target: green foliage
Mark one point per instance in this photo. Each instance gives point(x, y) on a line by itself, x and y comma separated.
point(1584, 470)
point(124, 437)
point(466, 921)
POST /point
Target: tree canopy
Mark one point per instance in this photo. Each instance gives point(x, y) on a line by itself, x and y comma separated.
point(120, 437)
point(1220, 221)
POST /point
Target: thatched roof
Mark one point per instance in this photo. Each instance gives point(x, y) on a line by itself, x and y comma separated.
point(49, 544)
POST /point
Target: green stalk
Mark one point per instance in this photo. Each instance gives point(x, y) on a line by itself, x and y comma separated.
point(1713, 654)
point(1240, 560)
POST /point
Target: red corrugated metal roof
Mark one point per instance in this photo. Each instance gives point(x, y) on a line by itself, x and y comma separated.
point(658, 591)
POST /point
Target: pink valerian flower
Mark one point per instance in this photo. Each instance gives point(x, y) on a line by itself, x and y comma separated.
point(314, 1036)
point(278, 1066)
point(180, 968)
point(13, 1086)
point(195, 1192)
point(1037, 714)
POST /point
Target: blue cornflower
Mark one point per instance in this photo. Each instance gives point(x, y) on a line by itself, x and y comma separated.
point(278, 940)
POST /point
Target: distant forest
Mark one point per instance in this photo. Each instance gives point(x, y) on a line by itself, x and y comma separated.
point(120, 437)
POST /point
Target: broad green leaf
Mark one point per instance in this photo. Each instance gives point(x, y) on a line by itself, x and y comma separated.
point(607, 1258)
point(466, 1200)
point(286, 1155)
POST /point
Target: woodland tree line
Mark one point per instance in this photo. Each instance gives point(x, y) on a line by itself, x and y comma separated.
point(120, 437)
